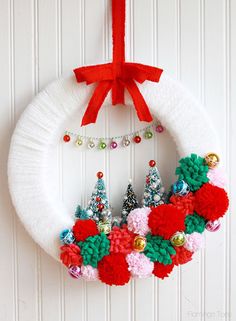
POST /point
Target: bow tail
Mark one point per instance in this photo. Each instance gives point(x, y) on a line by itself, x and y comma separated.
point(118, 92)
point(139, 102)
point(96, 102)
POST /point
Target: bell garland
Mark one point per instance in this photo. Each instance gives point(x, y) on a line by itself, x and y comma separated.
point(93, 245)
point(112, 143)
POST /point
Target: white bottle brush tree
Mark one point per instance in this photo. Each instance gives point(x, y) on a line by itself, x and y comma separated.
point(154, 192)
point(98, 206)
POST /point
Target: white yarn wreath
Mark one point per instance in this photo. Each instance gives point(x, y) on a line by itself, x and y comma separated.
point(43, 216)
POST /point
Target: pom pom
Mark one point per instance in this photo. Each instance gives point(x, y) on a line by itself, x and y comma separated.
point(89, 273)
point(162, 271)
point(121, 240)
point(211, 202)
point(183, 203)
point(194, 223)
point(113, 269)
point(138, 220)
point(216, 177)
point(139, 265)
point(158, 249)
point(193, 170)
point(165, 220)
point(71, 255)
point(194, 242)
point(182, 256)
point(94, 249)
point(83, 229)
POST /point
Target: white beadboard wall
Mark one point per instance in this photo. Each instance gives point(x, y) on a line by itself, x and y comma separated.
point(194, 41)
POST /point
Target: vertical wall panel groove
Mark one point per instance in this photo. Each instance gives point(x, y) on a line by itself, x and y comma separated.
point(202, 99)
point(12, 103)
point(36, 89)
point(227, 66)
point(178, 74)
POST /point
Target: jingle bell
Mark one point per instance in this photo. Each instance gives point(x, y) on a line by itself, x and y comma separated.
point(212, 160)
point(139, 243)
point(178, 239)
point(180, 188)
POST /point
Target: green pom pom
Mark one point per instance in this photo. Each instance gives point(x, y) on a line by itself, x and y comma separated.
point(193, 170)
point(194, 223)
point(94, 248)
point(158, 249)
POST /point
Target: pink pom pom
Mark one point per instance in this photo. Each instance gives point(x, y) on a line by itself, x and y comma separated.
point(217, 177)
point(138, 220)
point(89, 273)
point(139, 265)
point(194, 242)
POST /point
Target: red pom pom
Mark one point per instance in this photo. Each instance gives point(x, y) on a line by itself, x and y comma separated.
point(165, 220)
point(182, 255)
point(162, 271)
point(184, 203)
point(121, 240)
point(71, 255)
point(211, 202)
point(84, 228)
point(113, 269)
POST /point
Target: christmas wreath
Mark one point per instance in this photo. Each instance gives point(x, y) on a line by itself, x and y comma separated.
point(146, 239)
point(152, 239)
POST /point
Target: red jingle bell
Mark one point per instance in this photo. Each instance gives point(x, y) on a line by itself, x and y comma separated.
point(137, 139)
point(66, 138)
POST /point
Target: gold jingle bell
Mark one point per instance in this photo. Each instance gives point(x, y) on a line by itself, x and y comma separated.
point(79, 142)
point(139, 243)
point(212, 160)
point(178, 239)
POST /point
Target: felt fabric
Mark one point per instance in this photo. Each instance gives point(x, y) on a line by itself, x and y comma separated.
point(118, 75)
point(193, 170)
point(32, 188)
point(194, 223)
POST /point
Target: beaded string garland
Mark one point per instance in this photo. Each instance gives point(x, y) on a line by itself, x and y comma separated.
point(113, 142)
point(148, 239)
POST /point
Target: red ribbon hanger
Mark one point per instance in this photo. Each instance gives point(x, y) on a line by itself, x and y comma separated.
point(117, 75)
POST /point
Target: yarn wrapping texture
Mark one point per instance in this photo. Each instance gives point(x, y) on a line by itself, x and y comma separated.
point(41, 212)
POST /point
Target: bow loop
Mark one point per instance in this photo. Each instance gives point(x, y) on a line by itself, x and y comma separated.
point(117, 75)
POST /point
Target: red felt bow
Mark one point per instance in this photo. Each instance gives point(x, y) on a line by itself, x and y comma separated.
point(118, 75)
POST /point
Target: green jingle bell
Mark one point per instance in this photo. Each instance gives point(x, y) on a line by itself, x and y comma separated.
point(102, 145)
point(178, 239)
point(148, 134)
